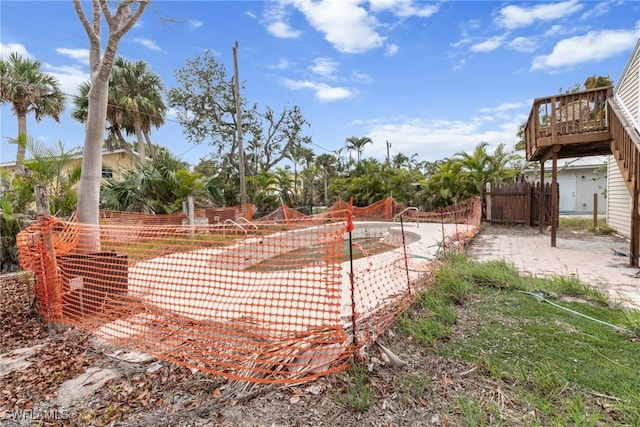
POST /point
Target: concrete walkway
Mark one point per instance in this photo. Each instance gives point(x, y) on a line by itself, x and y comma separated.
point(591, 258)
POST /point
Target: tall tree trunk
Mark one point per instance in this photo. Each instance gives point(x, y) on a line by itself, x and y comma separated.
point(91, 176)
point(119, 23)
point(326, 191)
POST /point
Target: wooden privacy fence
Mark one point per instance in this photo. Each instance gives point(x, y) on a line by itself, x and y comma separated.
point(273, 301)
point(518, 203)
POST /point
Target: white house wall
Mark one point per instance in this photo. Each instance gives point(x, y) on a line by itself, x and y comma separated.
point(627, 93)
point(627, 90)
point(618, 201)
point(578, 182)
point(588, 183)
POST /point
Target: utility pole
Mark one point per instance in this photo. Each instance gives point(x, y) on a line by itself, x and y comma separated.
point(236, 80)
point(388, 146)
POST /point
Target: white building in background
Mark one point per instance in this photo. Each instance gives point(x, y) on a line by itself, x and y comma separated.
point(579, 179)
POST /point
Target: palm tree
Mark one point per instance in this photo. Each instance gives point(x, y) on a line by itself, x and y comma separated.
point(446, 184)
point(28, 90)
point(329, 165)
point(481, 167)
point(137, 92)
point(159, 186)
point(55, 170)
point(135, 104)
point(357, 144)
point(283, 182)
point(298, 155)
point(400, 160)
point(9, 228)
point(264, 190)
point(114, 117)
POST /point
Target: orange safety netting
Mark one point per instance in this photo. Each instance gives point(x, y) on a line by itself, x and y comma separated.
point(280, 300)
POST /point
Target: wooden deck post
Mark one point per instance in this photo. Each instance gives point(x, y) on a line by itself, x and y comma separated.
point(541, 201)
point(488, 200)
point(595, 211)
point(634, 244)
point(554, 197)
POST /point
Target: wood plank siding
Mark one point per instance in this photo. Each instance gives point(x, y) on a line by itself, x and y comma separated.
point(618, 201)
point(627, 98)
point(627, 91)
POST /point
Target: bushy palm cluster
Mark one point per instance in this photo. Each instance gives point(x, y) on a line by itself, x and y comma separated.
point(157, 186)
point(465, 174)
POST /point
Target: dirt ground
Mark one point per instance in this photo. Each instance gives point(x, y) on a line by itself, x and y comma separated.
point(69, 378)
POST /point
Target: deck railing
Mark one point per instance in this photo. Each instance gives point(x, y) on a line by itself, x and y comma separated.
point(566, 114)
point(625, 144)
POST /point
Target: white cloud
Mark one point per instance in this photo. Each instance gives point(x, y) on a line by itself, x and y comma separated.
point(195, 24)
point(591, 47)
point(323, 92)
point(601, 8)
point(18, 48)
point(507, 106)
point(276, 18)
point(404, 8)
point(345, 24)
point(80, 55)
point(522, 44)
point(460, 64)
point(282, 64)
point(392, 50)
point(555, 30)
point(325, 67)
point(512, 17)
point(70, 77)
point(488, 45)
point(361, 77)
point(463, 41)
point(283, 30)
point(438, 139)
point(149, 44)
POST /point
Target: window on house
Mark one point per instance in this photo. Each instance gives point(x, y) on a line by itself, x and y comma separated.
point(107, 172)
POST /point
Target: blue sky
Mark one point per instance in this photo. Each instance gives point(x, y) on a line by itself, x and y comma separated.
point(432, 78)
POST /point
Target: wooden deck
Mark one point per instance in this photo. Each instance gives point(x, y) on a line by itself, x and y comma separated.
point(586, 123)
point(572, 125)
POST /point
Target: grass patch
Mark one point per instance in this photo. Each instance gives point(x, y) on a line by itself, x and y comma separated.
point(433, 315)
point(586, 223)
point(571, 369)
point(572, 287)
point(358, 396)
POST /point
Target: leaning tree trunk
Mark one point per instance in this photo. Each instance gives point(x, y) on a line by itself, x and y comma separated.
point(22, 142)
point(123, 142)
point(137, 124)
point(152, 150)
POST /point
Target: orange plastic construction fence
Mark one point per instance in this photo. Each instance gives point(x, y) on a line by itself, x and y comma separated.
point(279, 300)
